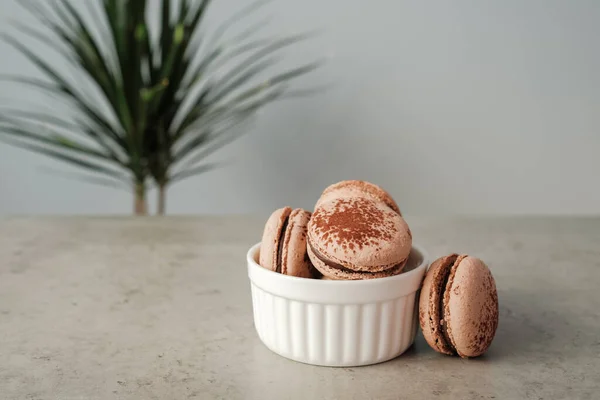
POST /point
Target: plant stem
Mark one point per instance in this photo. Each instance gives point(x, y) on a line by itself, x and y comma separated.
point(140, 207)
point(162, 198)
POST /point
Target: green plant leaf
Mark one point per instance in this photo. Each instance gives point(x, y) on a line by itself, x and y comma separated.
point(96, 180)
point(39, 11)
point(199, 109)
point(201, 138)
point(94, 66)
point(75, 99)
point(261, 54)
point(222, 29)
point(57, 141)
point(193, 75)
point(197, 15)
point(238, 81)
point(50, 72)
point(91, 166)
point(45, 39)
point(239, 70)
point(250, 31)
point(166, 31)
point(216, 144)
point(93, 60)
point(193, 171)
point(64, 19)
point(183, 9)
point(165, 101)
point(211, 142)
point(230, 53)
point(10, 114)
point(122, 30)
point(272, 82)
point(212, 118)
point(217, 140)
point(15, 117)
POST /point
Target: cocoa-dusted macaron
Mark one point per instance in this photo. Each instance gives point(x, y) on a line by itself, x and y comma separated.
point(458, 307)
point(283, 245)
point(358, 238)
point(353, 188)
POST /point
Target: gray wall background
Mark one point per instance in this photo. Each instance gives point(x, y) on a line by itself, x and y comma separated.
point(462, 107)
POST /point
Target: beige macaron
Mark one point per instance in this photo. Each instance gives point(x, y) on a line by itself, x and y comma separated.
point(358, 238)
point(283, 245)
point(354, 188)
point(458, 306)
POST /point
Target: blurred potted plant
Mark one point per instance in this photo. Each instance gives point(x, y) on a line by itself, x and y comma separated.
point(174, 97)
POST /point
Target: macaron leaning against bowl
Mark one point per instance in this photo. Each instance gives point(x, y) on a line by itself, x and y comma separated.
point(358, 238)
point(458, 306)
point(283, 244)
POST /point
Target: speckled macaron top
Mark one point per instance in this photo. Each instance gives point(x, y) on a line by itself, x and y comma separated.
point(355, 188)
point(359, 234)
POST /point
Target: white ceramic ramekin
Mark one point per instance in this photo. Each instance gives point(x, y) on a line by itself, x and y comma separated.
point(336, 323)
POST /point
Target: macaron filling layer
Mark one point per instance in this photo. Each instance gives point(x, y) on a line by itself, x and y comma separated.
point(442, 310)
point(446, 286)
point(340, 267)
point(284, 226)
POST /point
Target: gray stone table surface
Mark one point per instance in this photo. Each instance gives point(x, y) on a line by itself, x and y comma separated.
point(160, 308)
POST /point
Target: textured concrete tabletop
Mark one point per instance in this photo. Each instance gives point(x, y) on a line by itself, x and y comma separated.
point(123, 308)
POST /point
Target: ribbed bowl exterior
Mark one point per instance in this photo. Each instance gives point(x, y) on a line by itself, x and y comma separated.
point(335, 323)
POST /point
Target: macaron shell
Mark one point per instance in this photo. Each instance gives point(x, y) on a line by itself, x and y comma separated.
point(269, 245)
point(331, 273)
point(430, 299)
point(360, 234)
point(354, 188)
point(471, 307)
point(294, 260)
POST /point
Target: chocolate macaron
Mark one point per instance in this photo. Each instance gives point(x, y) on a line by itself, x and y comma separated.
point(358, 238)
point(283, 245)
point(458, 306)
point(354, 188)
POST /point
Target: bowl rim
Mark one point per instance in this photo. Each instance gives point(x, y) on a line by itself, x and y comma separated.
point(250, 258)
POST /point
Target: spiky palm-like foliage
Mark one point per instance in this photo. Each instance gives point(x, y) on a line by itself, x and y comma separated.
point(168, 99)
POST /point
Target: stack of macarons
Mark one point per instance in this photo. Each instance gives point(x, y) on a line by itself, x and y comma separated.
point(355, 232)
